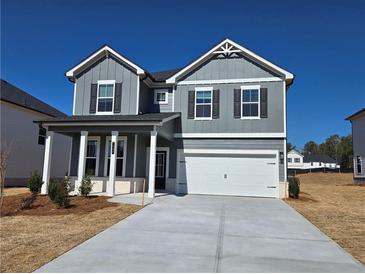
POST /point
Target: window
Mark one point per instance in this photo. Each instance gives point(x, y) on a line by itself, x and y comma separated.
point(121, 151)
point(250, 102)
point(92, 155)
point(203, 103)
point(161, 96)
point(320, 163)
point(105, 96)
point(289, 160)
point(358, 165)
point(296, 160)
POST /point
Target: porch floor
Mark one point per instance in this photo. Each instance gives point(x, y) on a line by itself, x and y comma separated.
point(134, 198)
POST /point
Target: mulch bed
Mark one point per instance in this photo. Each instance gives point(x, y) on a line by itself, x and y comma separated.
point(43, 206)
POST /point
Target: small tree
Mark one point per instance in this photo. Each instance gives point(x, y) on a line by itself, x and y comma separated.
point(58, 191)
point(34, 185)
point(294, 187)
point(86, 186)
point(5, 150)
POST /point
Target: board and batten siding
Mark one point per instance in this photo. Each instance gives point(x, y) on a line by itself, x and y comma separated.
point(228, 68)
point(358, 136)
point(147, 100)
point(224, 144)
point(107, 69)
point(226, 123)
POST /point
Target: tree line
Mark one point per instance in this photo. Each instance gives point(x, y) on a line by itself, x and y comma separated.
point(335, 146)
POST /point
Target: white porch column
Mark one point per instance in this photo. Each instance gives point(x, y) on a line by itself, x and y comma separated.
point(82, 160)
point(152, 167)
point(47, 162)
point(110, 187)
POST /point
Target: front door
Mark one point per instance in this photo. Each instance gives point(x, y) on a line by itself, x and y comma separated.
point(160, 174)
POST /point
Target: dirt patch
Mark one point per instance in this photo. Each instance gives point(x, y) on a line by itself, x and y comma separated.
point(33, 237)
point(336, 206)
point(43, 206)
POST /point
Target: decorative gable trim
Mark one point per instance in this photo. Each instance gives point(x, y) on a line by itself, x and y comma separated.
point(105, 50)
point(227, 48)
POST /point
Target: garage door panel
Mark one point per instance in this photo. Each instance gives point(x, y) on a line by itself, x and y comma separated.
point(237, 175)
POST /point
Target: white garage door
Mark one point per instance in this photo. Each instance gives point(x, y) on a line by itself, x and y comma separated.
point(230, 174)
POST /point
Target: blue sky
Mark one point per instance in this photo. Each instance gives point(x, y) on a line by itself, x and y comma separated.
point(321, 42)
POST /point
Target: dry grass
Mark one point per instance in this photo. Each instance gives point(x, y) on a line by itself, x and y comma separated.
point(30, 240)
point(336, 206)
point(9, 191)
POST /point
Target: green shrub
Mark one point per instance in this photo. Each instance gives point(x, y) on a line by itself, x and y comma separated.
point(34, 185)
point(86, 186)
point(35, 182)
point(294, 187)
point(58, 191)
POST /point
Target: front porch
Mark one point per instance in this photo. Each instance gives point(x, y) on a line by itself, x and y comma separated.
point(121, 154)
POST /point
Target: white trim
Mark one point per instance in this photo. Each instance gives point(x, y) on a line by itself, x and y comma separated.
point(97, 139)
point(252, 87)
point(81, 162)
point(170, 118)
point(211, 103)
point(120, 138)
point(165, 149)
point(231, 135)
point(285, 161)
point(135, 155)
point(156, 91)
point(104, 50)
point(230, 81)
point(151, 178)
point(74, 102)
point(47, 162)
point(245, 51)
point(105, 82)
point(173, 98)
point(104, 123)
point(70, 158)
point(284, 106)
point(137, 99)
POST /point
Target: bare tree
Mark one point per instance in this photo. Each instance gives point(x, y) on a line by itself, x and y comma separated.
point(5, 150)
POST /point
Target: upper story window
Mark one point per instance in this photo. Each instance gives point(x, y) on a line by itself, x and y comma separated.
point(296, 160)
point(203, 103)
point(161, 97)
point(289, 160)
point(105, 99)
point(250, 102)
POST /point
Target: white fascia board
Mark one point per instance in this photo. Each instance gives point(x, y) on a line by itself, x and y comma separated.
point(170, 118)
point(71, 72)
point(230, 81)
point(231, 151)
point(106, 123)
point(288, 75)
point(230, 135)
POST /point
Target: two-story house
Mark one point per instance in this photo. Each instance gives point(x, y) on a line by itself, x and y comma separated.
point(216, 126)
point(358, 144)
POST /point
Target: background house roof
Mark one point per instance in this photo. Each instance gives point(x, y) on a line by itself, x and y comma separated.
point(14, 95)
point(318, 158)
point(356, 114)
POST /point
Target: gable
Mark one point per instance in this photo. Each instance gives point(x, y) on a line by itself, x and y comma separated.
point(227, 48)
point(224, 67)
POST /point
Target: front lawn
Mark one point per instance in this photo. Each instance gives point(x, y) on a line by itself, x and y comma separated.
point(336, 206)
point(30, 238)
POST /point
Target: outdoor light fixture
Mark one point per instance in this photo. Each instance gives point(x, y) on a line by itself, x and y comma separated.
point(281, 157)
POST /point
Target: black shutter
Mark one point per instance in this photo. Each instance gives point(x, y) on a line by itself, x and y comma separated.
point(117, 97)
point(93, 97)
point(216, 104)
point(191, 104)
point(263, 102)
point(237, 103)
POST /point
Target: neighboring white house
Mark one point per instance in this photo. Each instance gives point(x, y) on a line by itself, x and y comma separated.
point(296, 160)
point(18, 110)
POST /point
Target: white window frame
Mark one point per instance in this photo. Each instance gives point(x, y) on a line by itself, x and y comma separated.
point(120, 138)
point(157, 91)
point(105, 82)
point(97, 139)
point(211, 103)
point(258, 87)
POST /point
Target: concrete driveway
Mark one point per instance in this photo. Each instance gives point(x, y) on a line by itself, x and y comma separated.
point(209, 234)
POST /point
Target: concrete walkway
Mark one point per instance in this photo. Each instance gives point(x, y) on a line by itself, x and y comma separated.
point(209, 234)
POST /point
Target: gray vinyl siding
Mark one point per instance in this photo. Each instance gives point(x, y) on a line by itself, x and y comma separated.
point(228, 68)
point(249, 144)
point(147, 99)
point(107, 69)
point(358, 136)
point(226, 123)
